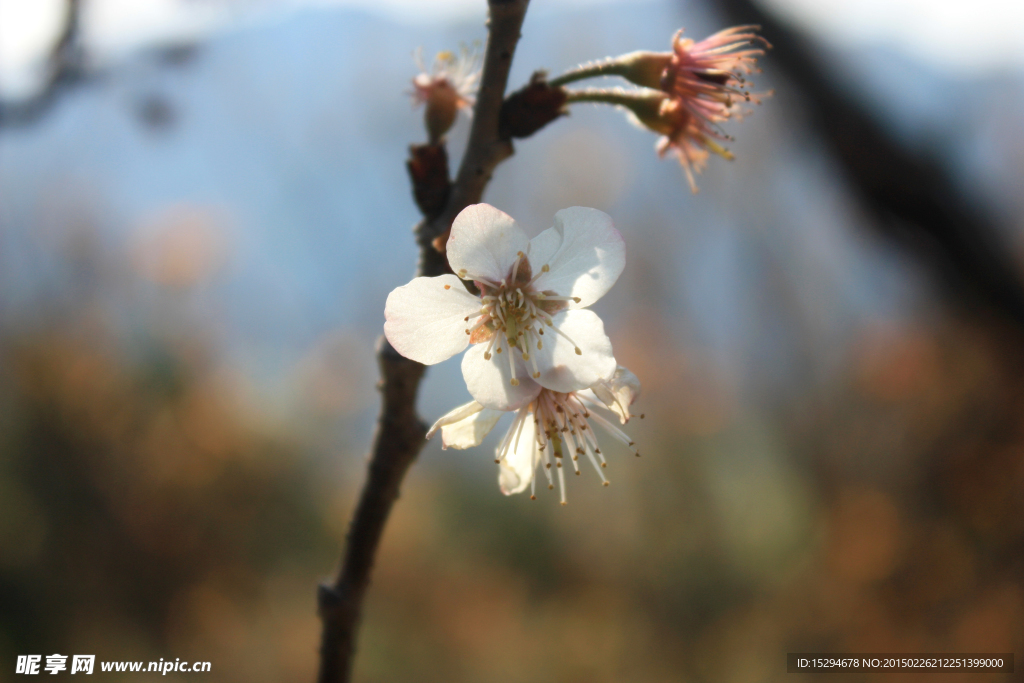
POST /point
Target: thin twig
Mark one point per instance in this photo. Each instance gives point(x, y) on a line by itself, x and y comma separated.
point(400, 432)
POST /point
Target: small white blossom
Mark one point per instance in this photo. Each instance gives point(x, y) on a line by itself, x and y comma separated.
point(528, 325)
point(448, 87)
point(552, 428)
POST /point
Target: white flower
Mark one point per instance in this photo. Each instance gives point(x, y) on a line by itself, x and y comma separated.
point(528, 326)
point(447, 88)
point(460, 73)
point(553, 426)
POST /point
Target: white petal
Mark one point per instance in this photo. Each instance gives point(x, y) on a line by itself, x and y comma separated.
point(515, 472)
point(561, 368)
point(485, 242)
point(490, 381)
point(427, 322)
point(465, 426)
point(619, 392)
point(585, 252)
point(470, 431)
point(455, 415)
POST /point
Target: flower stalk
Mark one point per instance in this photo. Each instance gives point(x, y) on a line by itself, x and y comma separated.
point(644, 104)
point(642, 67)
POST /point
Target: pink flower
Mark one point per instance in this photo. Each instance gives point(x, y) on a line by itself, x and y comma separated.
point(706, 83)
point(714, 68)
point(685, 94)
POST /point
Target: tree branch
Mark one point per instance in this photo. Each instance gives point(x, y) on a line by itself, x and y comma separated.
point(400, 432)
point(913, 198)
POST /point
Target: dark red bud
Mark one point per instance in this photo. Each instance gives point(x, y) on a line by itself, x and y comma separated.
point(428, 169)
point(531, 108)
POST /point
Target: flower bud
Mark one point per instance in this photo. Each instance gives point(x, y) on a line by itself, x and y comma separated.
point(532, 107)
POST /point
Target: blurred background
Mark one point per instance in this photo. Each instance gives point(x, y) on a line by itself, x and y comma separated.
point(203, 205)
